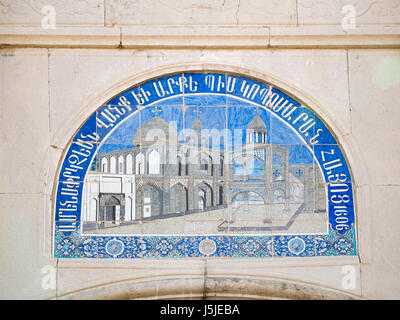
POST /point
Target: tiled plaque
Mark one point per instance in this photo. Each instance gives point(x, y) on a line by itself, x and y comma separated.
point(203, 165)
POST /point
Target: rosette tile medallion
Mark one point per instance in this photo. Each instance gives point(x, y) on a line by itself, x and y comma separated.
point(203, 164)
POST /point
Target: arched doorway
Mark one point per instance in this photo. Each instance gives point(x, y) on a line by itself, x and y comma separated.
point(151, 201)
point(204, 197)
point(111, 207)
point(179, 199)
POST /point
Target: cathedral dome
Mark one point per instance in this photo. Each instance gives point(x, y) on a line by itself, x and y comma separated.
point(155, 129)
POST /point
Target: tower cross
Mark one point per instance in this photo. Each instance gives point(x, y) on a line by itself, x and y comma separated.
point(156, 111)
point(197, 111)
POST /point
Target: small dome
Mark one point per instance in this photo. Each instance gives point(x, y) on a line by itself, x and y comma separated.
point(257, 124)
point(155, 129)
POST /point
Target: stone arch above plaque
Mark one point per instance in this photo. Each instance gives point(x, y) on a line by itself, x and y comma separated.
point(190, 161)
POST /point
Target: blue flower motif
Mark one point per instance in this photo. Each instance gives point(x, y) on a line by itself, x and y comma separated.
point(343, 246)
point(321, 245)
point(88, 247)
point(164, 247)
point(296, 245)
point(250, 246)
point(66, 247)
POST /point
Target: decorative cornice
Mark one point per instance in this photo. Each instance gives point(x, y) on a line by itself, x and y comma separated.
point(202, 37)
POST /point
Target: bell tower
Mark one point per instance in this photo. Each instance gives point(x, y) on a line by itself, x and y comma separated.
point(256, 132)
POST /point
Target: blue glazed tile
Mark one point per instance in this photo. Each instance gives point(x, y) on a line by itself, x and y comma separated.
point(68, 204)
point(208, 82)
point(66, 241)
point(248, 90)
point(322, 133)
point(209, 246)
point(341, 244)
point(294, 164)
point(207, 124)
point(123, 132)
point(215, 100)
point(296, 126)
point(210, 117)
point(322, 245)
point(341, 206)
point(290, 246)
point(161, 88)
point(232, 101)
point(172, 114)
point(300, 153)
point(66, 248)
point(122, 247)
point(332, 163)
point(77, 161)
point(87, 131)
point(243, 121)
point(109, 117)
point(253, 246)
point(87, 247)
point(165, 247)
point(126, 99)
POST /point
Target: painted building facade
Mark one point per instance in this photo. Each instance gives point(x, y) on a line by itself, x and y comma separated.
point(161, 177)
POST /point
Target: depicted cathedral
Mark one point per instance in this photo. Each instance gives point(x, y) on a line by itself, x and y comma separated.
point(162, 178)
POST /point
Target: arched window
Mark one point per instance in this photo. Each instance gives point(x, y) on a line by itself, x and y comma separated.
point(205, 196)
point(202, 199)
point(140, 163)
point(113, 165)
point(121, 164)
point(154, 162)
point(93, 210)
point(104, 165)
point(129, 164)
point(129, 212)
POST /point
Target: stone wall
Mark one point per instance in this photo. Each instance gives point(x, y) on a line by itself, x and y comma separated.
point(53, 76)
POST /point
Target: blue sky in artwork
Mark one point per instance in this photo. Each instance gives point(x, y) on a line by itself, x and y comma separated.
point(235, 116)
